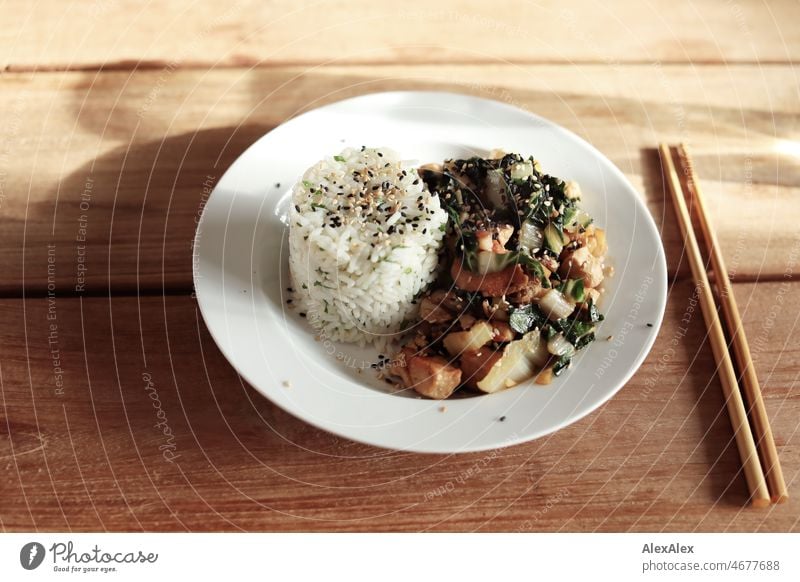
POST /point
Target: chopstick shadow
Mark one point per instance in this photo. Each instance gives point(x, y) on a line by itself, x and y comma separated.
point(724, 476)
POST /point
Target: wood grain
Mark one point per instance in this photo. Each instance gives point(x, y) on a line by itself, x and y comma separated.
point(660, 455)
point(125, 34)
point(146, 147)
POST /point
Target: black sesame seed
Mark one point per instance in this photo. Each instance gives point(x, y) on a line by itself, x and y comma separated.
point(649, 325)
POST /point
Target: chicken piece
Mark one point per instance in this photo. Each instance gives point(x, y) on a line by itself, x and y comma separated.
point(433, 312)
point(448, 300)
point(533, 290)
point(485, 240)
point(497, 310)
point(495, 240)
point(572, 189)
point(399, 365)
point(497, 284)
point(433, 376)
point(475, 365)
point(596, 243)
point(549, 263)
point(503, 234)
point(581, 264)
point(466, 320)
point(502, 332)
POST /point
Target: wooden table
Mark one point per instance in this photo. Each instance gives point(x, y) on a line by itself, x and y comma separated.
point(118, 119)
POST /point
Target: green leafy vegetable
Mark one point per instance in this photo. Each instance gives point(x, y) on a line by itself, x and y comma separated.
point(584, 341)
point(561, 364)
point(522, 319)
point(339, 158)
point(533, 266)
point(575, 288)
point(591, 310)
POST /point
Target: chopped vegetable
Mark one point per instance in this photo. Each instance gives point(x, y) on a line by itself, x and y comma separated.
point(531, 237)
point(561, 364)
point(555, 306)
point(559, 346)
point(523, 319)
point(514, 366)
point(472, 340)
point(554, 239)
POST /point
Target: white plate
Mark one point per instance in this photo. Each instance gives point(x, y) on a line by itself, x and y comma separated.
point(241, 276)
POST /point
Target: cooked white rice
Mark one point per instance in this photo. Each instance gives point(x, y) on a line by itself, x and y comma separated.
point(364, 236)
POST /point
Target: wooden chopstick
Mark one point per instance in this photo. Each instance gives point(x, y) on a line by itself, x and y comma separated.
point(754, 475)
point(741, 349)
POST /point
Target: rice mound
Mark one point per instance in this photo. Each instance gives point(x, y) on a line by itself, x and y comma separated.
point(364, 235)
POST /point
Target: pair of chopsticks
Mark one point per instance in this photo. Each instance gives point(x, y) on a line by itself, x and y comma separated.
point(762, 471)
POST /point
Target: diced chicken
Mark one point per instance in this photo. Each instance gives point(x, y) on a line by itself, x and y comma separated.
point(504, 232)
point(433, 312)
point(581, 264)
point(495, 310)
point(497, 284)
point(433, 376)
point(596, 243)
point(533, 290)
point(485, 240)
point(502, 332)
point(448, 300)
point(549, 263)
point(544, 377)
point(494, 240)
point(399, 365)
point(572, 189)
point(466, 320)
point(475, 365)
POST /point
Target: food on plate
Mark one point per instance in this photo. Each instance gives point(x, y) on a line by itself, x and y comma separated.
point(521, 270)
point(364, 237)
point(489, 268)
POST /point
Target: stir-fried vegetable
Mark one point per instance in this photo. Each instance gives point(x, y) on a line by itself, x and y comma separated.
point(523, 267)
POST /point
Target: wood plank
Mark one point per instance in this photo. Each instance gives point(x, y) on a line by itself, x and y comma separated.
point(88, 455)
point(126, 34)
point(145, 147)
